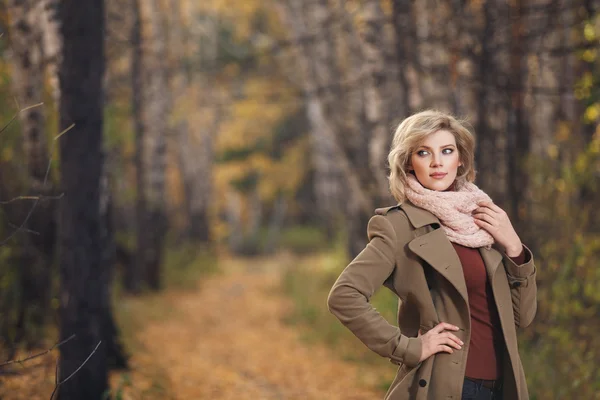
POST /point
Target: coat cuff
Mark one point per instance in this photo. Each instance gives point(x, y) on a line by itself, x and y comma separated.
point(523, 271)
point(408, 351)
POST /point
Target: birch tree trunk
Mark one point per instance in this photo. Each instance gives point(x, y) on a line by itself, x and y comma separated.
point(156, 112)
point(195, 146)
point(35, 252)
point(432, 53)
point(115, 352)
point(518, 122)
point(28, 75)
point(374, 39)
point(133, 275)
point(403, 21)
point(84, 276)
point(318, 74)
point(51, 45)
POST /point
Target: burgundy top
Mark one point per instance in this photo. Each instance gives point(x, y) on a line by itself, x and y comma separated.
point(486, 345)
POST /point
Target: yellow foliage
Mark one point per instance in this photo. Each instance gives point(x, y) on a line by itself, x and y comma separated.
point(7, 154)
point(589, 32)
point(552, 151)
point(589, 55)
point(563, 131)
point(592, 113)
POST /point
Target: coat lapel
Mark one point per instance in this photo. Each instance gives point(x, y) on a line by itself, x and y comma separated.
point(492, 259)
point(435, 248)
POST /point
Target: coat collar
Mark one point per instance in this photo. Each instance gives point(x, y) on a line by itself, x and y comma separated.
point(435, 248)
point(417, 216)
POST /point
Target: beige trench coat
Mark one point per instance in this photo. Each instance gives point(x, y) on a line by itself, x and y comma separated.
point(406, 244)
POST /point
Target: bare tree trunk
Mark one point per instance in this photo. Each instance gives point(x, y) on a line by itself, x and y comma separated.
point(404, 20)
point(317, 72)
point(195, 146)
point(156, 112)
point(275, 223)
point(28, 72)
point(133, 274)
point(234, 220)
point(51, 44)
point(84, 276)
point(374, 39)
point(196, 160)
point(517, 124)
point(115, 353)
point(203, 188)
point(404, 28)
point(430, 50)
point(36, 251)
point(485, 71)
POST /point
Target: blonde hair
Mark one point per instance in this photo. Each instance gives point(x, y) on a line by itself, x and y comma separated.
point(412, 132)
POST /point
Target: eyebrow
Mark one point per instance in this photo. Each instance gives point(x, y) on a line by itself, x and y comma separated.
point(429, 148)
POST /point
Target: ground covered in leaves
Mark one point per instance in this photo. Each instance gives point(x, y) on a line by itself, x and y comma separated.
point(225, 339)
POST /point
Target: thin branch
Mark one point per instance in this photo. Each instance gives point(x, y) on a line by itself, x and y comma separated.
point(38, 197)
point(13, 233)
point(74, 372)
point(24, 229)
point(65, 131)
point(17, 114)
point(37, 355)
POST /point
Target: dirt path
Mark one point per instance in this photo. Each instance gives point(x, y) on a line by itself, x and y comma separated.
point(227, 341)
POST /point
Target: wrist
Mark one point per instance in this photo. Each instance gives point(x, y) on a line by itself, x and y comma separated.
point(514, 251)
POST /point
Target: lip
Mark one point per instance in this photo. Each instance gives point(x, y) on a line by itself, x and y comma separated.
point(438, 175)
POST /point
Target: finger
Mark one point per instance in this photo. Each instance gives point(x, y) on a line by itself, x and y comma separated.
point(451, 343)
point(484, 225)
point(486, 217)
point(453, 337)
point(491, 205)
point(443, 348)
point(443, 326)
point(485, 210)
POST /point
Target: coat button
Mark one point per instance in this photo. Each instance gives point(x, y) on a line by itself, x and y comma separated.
point(516, 284)
point(422, 383)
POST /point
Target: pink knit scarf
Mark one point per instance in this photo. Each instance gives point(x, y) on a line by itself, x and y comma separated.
point(453, 209)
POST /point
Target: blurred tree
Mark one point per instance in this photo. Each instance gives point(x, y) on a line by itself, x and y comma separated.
point(195, 143)
point(84, 275)
point(318, 70)
point(133, 271)
point(156, 107)
point(517, 121)
point(36, 248)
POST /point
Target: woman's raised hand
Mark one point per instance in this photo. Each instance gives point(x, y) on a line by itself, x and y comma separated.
point(438, 339)
point(495, 220)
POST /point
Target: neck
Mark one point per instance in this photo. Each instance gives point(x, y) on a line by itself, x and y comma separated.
point(452, 187)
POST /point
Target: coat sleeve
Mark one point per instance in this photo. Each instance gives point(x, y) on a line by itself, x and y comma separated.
point(349, 298)
point(523, 288)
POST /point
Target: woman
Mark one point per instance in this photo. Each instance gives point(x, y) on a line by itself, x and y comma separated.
point(464, 280)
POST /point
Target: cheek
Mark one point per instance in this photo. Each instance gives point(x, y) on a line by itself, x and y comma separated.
point(455, 163)
point(417, 164)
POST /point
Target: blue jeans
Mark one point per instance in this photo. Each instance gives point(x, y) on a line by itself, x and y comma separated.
point(475, 391)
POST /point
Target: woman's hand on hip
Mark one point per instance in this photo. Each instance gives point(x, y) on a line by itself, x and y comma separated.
point(496, 222)
point(438, 339)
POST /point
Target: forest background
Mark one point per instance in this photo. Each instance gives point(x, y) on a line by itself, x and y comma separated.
point(253, 127)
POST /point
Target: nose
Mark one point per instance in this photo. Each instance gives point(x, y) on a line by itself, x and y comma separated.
point(436, 160)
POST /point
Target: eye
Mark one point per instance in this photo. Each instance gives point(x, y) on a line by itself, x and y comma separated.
point(448, 151)
point(422, 153)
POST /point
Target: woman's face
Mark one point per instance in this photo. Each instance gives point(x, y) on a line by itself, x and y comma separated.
point(435, 162)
